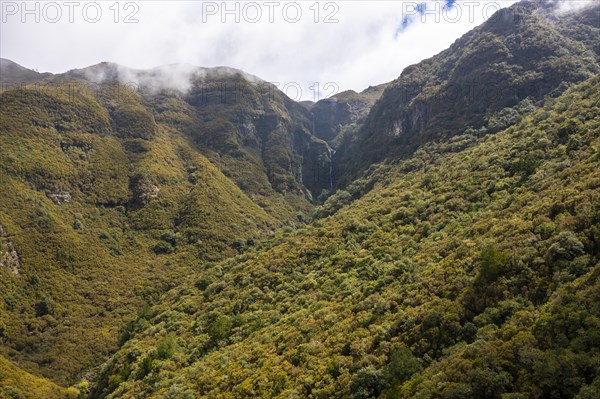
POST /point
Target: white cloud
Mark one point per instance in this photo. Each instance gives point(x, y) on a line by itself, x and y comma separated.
point(565, 7)
point(366, 47)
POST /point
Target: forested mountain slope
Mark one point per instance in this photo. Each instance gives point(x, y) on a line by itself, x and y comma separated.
point(117, 183)
point(171, 233)
point(13, 74)
point(526, 51)
point(97, 204)
point(468, 270)
point(17, 383)
point(259, 137)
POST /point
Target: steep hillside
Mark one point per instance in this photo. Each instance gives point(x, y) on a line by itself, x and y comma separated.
point(116, 183)
point(468, 270)
point(103, 207)
point(331, 115)
point(159, 234)
point(13, 74)
point(16, 383)
point(582, 26)
point(254, 133)
point(522, 52)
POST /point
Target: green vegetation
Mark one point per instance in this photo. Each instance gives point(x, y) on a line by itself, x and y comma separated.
point(521, 53)
point(458, 279)
point(18, 384)
point(162, 244)
point(87, 202)
point(257, 137)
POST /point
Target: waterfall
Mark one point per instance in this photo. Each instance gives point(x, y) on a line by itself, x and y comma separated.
point(331, 153)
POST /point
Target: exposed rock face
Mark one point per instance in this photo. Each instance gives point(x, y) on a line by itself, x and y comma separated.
point(9, 257)
point(143, 190)
point(60, 197)
point(519, 53)
point(260, 137)
point(332, 114)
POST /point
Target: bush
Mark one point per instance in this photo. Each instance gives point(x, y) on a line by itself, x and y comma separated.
point(525, 166)
point(10, 301)
point(44, 307)
point(10, 392)
point(169, 237)
point(162, 247)
point(220, 328)
point(401, 367)
point(203, 283)
point(146, 366)
point(167, 347)
point(493, 264)
point(238, 245)
point(114, 381)
point(77, 225)
point(34, 279)
point(566, 246)
point(367, 383)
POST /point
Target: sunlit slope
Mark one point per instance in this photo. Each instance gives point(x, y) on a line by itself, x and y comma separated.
point(16, 383)
point(102, 208)
point(468, 270)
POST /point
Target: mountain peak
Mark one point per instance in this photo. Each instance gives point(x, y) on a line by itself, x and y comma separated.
point(13, 74)
point(178, 76)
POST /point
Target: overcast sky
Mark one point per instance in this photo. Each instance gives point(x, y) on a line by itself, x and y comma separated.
point(353, 44)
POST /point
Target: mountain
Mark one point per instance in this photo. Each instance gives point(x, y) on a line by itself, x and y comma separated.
point(186, 232)
point(13, 74)
point(521, 53)
point(258, 136)
point(103, 207)
point(331, 115)
point(582, 25)
point(115, 178)
point(469, 270)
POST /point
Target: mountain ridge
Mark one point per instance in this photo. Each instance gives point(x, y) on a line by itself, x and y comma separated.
point(393, 294)
point(158, 237)
point(517, 53)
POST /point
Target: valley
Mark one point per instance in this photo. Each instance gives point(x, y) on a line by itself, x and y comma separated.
point(189, 232)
